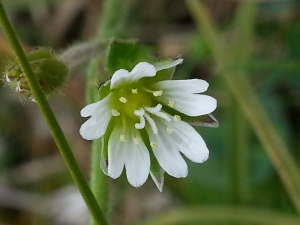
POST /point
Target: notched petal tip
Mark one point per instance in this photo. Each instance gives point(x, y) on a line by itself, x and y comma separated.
point(89, 109)
point(145, 68)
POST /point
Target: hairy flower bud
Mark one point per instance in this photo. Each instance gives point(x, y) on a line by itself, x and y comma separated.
point(49, 71)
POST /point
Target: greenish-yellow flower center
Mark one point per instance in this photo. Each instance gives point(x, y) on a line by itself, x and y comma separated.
point(134, 102)
point(127, 101)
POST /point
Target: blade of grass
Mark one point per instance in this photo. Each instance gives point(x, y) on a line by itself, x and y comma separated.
point(222, 215)
point(250, 106)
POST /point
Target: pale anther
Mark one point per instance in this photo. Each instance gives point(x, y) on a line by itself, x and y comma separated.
point(171, 104)
point(157, 93)
point(134, 91)
point(153, 144)
point(7, 78)
point(177, 118)
point(136, 140)
point(122, 137)
point(123, 100)
point(169, 130)
point(115, 112)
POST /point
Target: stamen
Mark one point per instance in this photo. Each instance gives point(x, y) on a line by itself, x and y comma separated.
point(115, 112)
point(136, 140)
point(157, 93)
point(123, 100)
point(169, 130)
point(153, 144)
point(122, 137)
point(171, 104)
point(177, 118)
point(152, 123)
point(134, 91)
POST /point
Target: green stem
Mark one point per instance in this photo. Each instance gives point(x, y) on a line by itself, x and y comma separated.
point(99, 181)
point(113, 14)
point(250, 106)
point(238, 155)
point(54, 127)
point(238, 151)
point(222, 215)
point(113, 11)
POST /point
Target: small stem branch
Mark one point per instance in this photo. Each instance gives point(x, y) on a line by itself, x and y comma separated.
point(54, 127)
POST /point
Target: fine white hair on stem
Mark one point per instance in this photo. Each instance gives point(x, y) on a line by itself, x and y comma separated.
point(78, 54)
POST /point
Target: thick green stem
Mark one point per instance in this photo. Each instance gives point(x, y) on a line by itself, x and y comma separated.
point(250, 106)
point(222, 215)
point(54, 127)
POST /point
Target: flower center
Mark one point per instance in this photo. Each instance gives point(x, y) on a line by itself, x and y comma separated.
point(134, 101)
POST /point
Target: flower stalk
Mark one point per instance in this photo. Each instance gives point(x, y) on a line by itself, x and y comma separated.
point(54, 127)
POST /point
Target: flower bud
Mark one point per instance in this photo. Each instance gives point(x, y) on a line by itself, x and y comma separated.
point(49, 71)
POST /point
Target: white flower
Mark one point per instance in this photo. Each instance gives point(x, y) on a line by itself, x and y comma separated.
point(140, 120)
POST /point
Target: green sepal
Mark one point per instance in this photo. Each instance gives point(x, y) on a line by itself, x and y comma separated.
point(50, 72)
point(125, 55)
point(204, 121)
point(156, 172)
point(207, 120)
point(165, 74)
point(104, 89)
point(104, 153)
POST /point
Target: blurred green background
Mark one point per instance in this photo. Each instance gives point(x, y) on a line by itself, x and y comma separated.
point(248, 51)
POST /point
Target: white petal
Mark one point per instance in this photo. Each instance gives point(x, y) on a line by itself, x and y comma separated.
point(118, 77)
point(92, 108)
point(190, 104)
point(182, 86)
point(166, 153)
point(137, 161)
point(188, 141)
point(142, 69)
point(96, 126)
point(116, 152)
point(168, 65)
